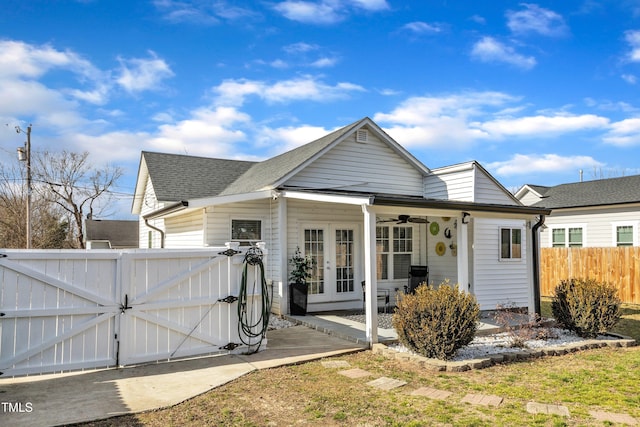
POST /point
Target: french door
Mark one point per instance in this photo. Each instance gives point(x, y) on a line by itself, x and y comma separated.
point(334, 248)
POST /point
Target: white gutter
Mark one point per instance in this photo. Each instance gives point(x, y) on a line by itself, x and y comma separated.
point(329, 198)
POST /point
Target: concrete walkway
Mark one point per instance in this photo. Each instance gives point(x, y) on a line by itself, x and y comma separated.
point(50, 400)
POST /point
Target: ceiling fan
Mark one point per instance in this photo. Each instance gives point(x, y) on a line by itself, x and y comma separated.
point(403, 219)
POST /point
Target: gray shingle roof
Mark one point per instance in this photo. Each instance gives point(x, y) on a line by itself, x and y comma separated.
point(121, 234)
point(600, 192)
point(178, 177)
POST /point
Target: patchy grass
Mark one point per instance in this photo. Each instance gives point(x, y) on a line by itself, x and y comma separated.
point(309, 394)
point(628, 325)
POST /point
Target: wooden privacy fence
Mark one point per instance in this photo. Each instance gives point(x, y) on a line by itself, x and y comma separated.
point(71, 309)
point(617, 265)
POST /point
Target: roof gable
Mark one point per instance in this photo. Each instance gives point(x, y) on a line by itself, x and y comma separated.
point(612, 191)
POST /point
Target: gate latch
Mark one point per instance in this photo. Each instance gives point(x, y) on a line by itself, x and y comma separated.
point(125, 306)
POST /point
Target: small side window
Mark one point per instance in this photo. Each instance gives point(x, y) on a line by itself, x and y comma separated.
point(246, 231)
point(510, 243)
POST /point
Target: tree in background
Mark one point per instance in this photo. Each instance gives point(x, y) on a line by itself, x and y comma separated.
point(50, 229)
point(66, 189)
point(69, 181)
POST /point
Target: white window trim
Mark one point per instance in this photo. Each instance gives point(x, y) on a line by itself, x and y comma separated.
point(522, 244)
point(614, 229)
point(566, 233)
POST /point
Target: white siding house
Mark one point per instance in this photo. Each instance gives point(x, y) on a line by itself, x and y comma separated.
point(358, 203)
point(600, 213)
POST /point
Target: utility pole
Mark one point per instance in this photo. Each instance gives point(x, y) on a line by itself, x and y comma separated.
point(24, 154)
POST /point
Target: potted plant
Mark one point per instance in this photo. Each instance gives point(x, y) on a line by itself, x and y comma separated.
point(298, 288)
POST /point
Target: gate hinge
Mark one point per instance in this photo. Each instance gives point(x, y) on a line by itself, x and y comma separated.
point(3, 255)
point(3, 314)
point(229, 299)
point(231, 346)
point(229, 252)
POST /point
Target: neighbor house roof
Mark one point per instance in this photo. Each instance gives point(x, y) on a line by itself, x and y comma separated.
point(120, 233)
point(612, 191)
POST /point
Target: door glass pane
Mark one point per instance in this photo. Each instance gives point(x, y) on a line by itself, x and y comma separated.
point(314, 247)
point(344, 260)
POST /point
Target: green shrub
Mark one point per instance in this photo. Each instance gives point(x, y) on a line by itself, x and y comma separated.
point(436, 322)
point(586, 306)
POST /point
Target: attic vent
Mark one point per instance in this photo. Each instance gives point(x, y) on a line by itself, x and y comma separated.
point(362, 135)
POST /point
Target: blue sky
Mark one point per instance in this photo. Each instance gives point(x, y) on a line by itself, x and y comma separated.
point(534, 91)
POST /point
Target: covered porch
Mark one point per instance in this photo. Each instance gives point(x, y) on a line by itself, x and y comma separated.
point(445, 243)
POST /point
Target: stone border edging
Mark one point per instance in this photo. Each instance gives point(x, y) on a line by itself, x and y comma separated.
point(493, 359)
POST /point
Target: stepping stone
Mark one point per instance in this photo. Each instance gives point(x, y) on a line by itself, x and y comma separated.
point(385, 383)
point(335, 364)
point(543, 408)
point(483, 399)
point(614, 418)
point(432, 393)
point(355, 373)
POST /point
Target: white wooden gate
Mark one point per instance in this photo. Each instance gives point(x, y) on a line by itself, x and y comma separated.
point(67, 310)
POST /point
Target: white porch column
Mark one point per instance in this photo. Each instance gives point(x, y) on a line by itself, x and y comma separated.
point(283, 291)
point(463, 254)
point(371, 285)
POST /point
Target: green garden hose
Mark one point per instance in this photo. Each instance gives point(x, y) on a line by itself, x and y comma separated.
point(250, 329)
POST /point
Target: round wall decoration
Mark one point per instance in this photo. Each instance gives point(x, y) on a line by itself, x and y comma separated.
point(434, 228)
point(440, 248)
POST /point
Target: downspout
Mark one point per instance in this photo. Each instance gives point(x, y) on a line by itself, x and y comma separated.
point(146, 222)
point(536, 265)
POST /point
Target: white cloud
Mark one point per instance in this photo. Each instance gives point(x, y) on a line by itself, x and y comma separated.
point(535, 19)
point(206, 133)
point(489, 49)
point(419, 27)
point(527, 164)
point(324, 62)
point(300, 47)
point(287, 138)
point(201, 13)
point(629, 78)
point(138, 74)
point(460, 120)
point(326, 12)
point(633, 38)
point(307, 88)
point(441, 121)
point(372, 5)
point(542, 125)
point(19, 59)
point(309, 13)
point(625, 133)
